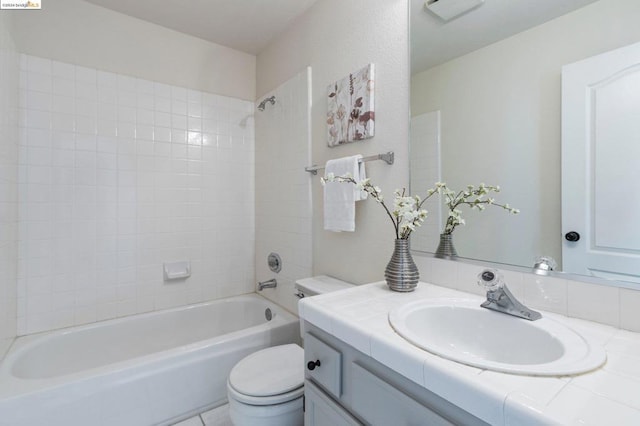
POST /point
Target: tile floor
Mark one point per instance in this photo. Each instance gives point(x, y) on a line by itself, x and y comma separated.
point(216, 417)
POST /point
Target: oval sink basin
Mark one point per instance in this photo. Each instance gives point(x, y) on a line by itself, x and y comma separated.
point(462, 331)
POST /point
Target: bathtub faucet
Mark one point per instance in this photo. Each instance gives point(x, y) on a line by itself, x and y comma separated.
point(272, 283)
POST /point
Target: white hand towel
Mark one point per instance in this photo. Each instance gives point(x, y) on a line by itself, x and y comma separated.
point(340, 197)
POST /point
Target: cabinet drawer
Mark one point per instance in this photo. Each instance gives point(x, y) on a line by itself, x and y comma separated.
point(379, 403)
point(323, 364)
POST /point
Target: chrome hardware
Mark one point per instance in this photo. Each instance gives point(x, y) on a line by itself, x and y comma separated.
point(387, 157)
point(272, 283)
point(275, 262)
point(544, 265)
point(271, 99)
point(268, 314)
point(500, 299)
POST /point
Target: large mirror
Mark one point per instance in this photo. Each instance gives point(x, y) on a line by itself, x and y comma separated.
point(486, 107)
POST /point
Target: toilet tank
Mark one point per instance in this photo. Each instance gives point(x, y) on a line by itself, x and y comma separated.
point(320, 284)
point(306, 287)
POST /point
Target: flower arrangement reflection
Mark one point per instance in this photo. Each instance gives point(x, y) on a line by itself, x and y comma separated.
point(474, 197)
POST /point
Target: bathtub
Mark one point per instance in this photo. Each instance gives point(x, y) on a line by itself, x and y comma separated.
point(148, 369)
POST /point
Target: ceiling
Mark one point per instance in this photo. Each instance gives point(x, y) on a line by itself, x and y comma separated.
point(250, 25)
point(434, 42)
point(245, 25)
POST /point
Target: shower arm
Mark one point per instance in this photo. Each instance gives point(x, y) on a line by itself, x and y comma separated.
point(262, 105)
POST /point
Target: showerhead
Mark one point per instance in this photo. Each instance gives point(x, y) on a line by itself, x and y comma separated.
point(262, 104)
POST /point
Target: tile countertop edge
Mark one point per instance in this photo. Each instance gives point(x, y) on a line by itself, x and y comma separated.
point(462, 385)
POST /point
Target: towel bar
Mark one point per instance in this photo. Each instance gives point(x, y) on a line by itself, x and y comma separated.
point(387, 157)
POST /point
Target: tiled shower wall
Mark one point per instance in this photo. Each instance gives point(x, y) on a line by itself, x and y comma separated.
point(283, 188)
point(118, 175)
point(8, 185)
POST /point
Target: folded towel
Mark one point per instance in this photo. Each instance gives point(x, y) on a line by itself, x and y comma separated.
point(340, 197)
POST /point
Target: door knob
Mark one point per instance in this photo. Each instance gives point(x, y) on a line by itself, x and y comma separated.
point(572, 236)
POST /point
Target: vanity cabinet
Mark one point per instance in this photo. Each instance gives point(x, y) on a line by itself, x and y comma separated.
point(321, 410)
point(355, 389)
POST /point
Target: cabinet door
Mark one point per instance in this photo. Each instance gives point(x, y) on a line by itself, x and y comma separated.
point(320, 410)
point(379, 403)
point(328, 372)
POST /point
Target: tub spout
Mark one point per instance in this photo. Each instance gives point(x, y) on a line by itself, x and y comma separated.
point(272, 283)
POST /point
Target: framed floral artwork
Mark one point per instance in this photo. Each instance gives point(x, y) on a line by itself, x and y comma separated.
point(350, 112)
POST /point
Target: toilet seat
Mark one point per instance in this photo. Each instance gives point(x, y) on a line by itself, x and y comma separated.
point(270, 376)
point(265, 400)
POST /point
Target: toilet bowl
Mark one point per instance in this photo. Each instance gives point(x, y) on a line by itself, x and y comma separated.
point(266, 388)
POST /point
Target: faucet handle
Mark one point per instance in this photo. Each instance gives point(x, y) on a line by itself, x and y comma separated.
point(490, 279)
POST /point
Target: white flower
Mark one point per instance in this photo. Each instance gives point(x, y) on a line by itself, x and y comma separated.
point(472, 196)
point(407, 214)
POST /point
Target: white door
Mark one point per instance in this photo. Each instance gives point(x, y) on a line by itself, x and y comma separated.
point(601, 165)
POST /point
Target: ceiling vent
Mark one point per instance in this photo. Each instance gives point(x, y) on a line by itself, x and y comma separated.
point(449, 9)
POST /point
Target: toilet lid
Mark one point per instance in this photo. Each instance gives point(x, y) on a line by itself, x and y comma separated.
point(270, 371)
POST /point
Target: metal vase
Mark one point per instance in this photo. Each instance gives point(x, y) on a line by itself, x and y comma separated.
point(401, 272)
point(446, 249)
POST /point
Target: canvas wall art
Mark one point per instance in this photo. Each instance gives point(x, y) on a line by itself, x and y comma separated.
point(350, 113)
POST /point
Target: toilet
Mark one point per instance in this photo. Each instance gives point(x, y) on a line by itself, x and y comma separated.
point(266, 388)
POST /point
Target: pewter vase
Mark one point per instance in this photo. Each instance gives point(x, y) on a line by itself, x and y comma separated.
point(401, 272)
point(446, 249)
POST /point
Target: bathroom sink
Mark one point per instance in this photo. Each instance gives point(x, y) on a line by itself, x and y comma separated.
point(462, 331)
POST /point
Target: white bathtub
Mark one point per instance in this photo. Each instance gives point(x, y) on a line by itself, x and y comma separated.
point(147, 369)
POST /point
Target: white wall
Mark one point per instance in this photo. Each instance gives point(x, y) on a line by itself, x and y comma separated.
point(8, 182)
point(117, 176)
point(283, 189)
point(81, 33)
point(500, 110)
point(425, 170)
point(335, 37)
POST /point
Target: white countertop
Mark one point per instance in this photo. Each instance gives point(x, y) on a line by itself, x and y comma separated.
point(607, 396)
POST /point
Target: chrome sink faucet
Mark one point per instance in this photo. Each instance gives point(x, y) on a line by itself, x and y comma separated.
point(500, 299)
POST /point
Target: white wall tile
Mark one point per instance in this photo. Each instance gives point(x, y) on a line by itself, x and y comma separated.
point(594, 302)
point(284, 227)
point(547, 293)
point(111, 189)
point(629, 309)
point(63, 86)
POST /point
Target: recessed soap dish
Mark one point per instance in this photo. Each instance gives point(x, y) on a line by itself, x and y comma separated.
point(176, 270)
